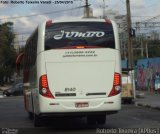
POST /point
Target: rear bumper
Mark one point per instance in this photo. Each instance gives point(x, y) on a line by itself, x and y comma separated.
point(67, 106)
point(76, 114)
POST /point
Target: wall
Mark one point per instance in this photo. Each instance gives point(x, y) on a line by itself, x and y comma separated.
point(146, 72)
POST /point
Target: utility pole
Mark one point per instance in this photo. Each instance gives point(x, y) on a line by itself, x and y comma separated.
point(130, 52)
point(141, 41)
point(103, 9)
point(146, 47)
point(87, 9)
point(104, 16)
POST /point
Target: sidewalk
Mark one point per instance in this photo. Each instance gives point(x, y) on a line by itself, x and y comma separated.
point(148, 99)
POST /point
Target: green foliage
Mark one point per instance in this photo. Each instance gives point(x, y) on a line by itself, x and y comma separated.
point(6, 33)
point(7, 53)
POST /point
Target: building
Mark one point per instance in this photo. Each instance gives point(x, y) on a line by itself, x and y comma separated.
point(16, 44)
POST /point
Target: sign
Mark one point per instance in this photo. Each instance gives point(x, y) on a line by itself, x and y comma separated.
point(75, 34)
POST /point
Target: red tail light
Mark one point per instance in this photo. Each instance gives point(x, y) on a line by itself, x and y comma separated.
point(116, 85)
point(117, 79)
point(108, 21)
point(44, 88)
point(80, 47)
point(48, 23)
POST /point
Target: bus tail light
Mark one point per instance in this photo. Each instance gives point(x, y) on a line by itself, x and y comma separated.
point(80, 47)
point(44, 88)
point(116, 85)
point(108, 21)
point(48, 23)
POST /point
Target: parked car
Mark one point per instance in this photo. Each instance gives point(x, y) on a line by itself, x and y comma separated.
point(16, 89)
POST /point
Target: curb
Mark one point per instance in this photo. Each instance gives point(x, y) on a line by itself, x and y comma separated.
point(1, 96)
point(147, 106)
point(10, 97)
point(140, 95)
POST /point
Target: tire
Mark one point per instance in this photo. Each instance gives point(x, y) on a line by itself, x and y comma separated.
point(101, 119)
point(6, 93)
point(38, 121)
point(30, 115)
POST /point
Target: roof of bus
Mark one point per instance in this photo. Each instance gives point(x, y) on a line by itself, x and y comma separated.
point(79, 20)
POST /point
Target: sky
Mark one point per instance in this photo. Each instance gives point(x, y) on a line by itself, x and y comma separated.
point(23, 26)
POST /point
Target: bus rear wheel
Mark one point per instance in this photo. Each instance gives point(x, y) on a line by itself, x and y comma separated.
point(38, 121)
point(31, 115)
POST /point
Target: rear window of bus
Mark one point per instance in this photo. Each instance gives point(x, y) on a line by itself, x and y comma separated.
point(70, 34)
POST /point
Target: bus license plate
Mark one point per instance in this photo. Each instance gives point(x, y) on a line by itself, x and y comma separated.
point(81, 104)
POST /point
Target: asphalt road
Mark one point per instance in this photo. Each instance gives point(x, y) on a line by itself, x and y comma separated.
point(13, 115)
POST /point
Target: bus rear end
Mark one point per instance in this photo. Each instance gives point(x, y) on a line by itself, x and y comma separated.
point(81, 72)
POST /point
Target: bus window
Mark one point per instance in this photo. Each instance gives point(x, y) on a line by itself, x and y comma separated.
point(87, 34)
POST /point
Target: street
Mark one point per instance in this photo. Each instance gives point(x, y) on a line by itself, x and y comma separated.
point(77, 57)
point(13, 115)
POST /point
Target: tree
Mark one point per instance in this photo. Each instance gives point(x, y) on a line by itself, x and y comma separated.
point(6, 34)
point(7, 53)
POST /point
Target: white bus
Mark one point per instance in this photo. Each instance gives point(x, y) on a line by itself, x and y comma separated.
point(73, 67)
